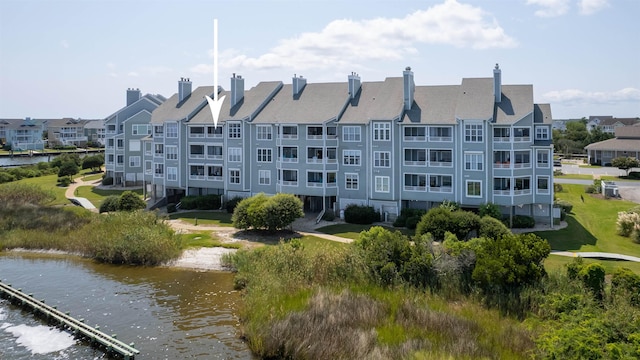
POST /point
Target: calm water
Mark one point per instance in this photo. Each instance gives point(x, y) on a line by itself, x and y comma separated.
point(167, 313)
point(23, 160)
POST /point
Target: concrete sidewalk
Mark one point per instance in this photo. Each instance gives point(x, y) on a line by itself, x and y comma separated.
point(80, 201)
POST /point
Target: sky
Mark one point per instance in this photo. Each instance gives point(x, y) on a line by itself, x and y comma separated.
point(77, 58)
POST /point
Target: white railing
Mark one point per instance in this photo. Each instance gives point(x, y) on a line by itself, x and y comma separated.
point(314, 160)
point(415, 163)
point(320, 216)
point(314, 184)
point(522, 192)
point(288, 136)
point(501, 165)
point(525, 165)
point(440, 163)
point(214, 136)
point(288, 160)
point(414, 138)
point(196, 177)
point(215, 178)
point(288, 183)
point(441, 138)
point(314, 137)
point(441, 189)
point(196, 156)
point(501, 139)
point(214, 157)
point(196, 135)
point(332, 185)
point(522, 138)
point(415, 188)
point(502, 192)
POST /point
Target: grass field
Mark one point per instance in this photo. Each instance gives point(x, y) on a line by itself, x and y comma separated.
point(591, 225)
point(217, 218)
point(574, 176)
point(93, 177)
point(204, 239)
point(556, 263)
point(49, 182)
point(97, 196)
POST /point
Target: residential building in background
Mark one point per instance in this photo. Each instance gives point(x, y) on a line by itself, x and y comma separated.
point(625, 144)
point(124, 131)
point(66, 132)
point(388, 144)
point(22, 134)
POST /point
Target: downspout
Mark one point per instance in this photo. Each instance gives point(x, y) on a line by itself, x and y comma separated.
point(324, 167)
point(369, 147)
point(397, 150)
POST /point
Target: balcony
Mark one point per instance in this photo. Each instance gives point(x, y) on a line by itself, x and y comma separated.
point(415, 188)
point(288, 183)
point(196, 177)
point(215, 178)
point(440, 138)
point(441, 189)
point(315, 184)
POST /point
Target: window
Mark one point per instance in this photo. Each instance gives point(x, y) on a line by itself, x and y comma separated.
point(332, 132)
point(440, 157)
point(214, 152)
point(543, 185)
point(264, 155)
point(120, 159)
point(415, 157)
point(214, 131)
point(473, 133)
point(351, 157)
point(331, 155)
point(542, 158)
point(235, 131)
point(502, 186)
point(264, 177)
point(314, 132)
point(263, 132)
point(234, 176)
point(331, 179)
point(521, 134)
point(134, 161)
point(158, 170)
point(172, 173)
point(171, 153)
point(110, 159)
point(196, 131)
point(351, 133)
point(414, 133)
point(214, 172)
point(120, 143)
point(110, 143)
point(140, 129)
point(159, 149)
point(235, 154)
point(439, 133)
point(172, 130)
point(382, 131)
point(314, 155)
point(134, 145)
point(196, 151)
point(314, 178)
point(382, 184)
point(289, 177)
point(440, 183)
point(522, 186)
point(289, 154)
point(474, 188)
point(501, 134)
point(415, 182)
point(542, 133)
point(351, 181)
point(290, 132)
point(158, 130)
point(382, 159)
point(196, 172)
point(522, 159)
point(148, 167)
point(473, 161)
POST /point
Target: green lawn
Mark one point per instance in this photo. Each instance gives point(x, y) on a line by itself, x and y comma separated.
point(574, 176)
point(318, 244)
point(217, 218)
point(591, 225)
point(351, 231)
point(93, 177)
point(97, 196)
point(556, 263)
point(203, 239)
point(49, 182)
point(617, 178)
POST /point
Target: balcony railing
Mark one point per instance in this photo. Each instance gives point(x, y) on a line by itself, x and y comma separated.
point(288, 159)
point(414, 138)
point(522, 138)
point(441, 189)
point(415, 163)
point(441, 138)
point(501, 139)
point(522, 192)
point(214, 157)
point(523, 165)
point(415, 188)
point(196, 156)
point(440, 163)
point(314, 184)
point(214, 178)
point(196, 177)
point(288, 183)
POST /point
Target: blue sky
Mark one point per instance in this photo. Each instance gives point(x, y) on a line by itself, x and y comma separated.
point(77, 58)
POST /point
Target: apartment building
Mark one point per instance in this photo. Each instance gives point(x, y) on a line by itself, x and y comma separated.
point(66, 132)
point(22, 134)
point(124, 131)
point(389, 144)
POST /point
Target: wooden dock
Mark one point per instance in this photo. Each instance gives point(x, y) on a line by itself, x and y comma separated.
point(96, 337)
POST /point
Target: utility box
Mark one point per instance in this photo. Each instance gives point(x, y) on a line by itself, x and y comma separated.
point(609, 189)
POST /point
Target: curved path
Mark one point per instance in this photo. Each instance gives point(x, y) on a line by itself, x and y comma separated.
point(80, 201)
point(596, 255)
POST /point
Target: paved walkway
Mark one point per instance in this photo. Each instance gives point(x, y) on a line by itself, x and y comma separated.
point(597, 255)
point(80, 201)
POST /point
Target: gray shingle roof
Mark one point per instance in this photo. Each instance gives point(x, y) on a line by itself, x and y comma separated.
point(316, 104)
point(628, 132)
point(542, 114)
point(16, 124)
point(173, 110)
point(516, 103)
point(377, 100)
point(475, 99)
point(616, 144)
point(623, 121)
point(433, 105)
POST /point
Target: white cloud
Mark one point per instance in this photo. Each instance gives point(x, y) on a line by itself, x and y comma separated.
point(64, 44)
point(111, 66)
point(347, 43)
point(588, 7)
point(550, 8)
point(576, 97)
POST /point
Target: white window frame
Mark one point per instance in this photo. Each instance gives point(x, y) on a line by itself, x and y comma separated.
point(546, 164)
point(135, 145)
point(441, 187)
point(264, 155)
point(172, 173)
point(264, 177)
point(148, 167)
point(355, 155)
point(351, 133)
point(232, 176)
point(381, 131)
point(473, 132)
point(382, 184)
point(466, 188)
point(234, 130)
point(546, 191)
point(171, 130)
point(234, 154)
point(382, 159)
point(351, 181)
point(195, 135)
point(542, 133)
point(169, 153)
point(156, 167)
point(472, 159)
point(264, 132)
point(134, 161)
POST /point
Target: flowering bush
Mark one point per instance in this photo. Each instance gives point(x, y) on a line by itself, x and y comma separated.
point(626, 223)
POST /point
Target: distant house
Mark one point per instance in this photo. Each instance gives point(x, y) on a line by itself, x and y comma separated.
point(22, 134)
point(626, 143)
point(94, 130)
point(66, 132)
point(610, 124)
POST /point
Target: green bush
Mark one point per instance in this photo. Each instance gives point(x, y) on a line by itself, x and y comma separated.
point(626, 283)
point(523, 222)
point(591, 189)
point(592, 275)
point(93, 162)
point(492, 228)
point(267, 213)
point(406, 214)
point(231, 204)
point(557, 187)
point(329, 215)
point(110, 204)
point(360, 214)
point(6, 177)
point(171, 208)
point(108, 180)
point(64, 181)
point(204, 202)
point(13, 194)
point(130, 201)
point(440, 219)
point(490, 209)
point(565, 205)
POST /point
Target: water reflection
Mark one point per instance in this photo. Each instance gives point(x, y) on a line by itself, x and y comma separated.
point(168, 313)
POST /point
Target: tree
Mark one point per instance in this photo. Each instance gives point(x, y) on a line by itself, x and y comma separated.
point(440, 219)
point(510, 262)
point(68, 168)
point(94, 162)
point(267, 213)
point(625, 163)
point(130, 201)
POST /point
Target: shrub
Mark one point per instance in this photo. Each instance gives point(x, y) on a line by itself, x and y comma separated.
point(439, 220)
point(592, 276)
point(523, 222)
point(329, 215)
point(171, 208)
point(490, 209)
point(68, 168)
point(574, 267)
point(450, 205)
point(204, 202)
point(492, 228)
point(565, 205)
point(591, 189)
point(626, 283)
point(405, 214)
point(20, 194)
point(231, 204)
point(412, 222)
point(6, 177)
point(627, 222)
point(64, 181)
point(109, 204)
point(359, 214)
point(635, 175)
point(267, 213)
point(557, 187)
point(108, 180)
point(130, 201)
point(93, 162)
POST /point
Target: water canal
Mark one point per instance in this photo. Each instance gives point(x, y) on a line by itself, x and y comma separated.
point(167, 313)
